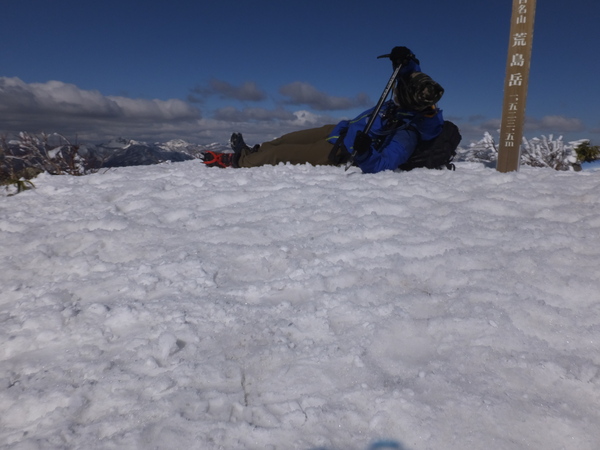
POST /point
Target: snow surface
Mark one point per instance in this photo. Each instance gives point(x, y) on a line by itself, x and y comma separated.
point(296, 307)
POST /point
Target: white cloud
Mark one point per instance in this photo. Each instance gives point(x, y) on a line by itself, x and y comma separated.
point(247, 91)
point(231, 114)
point(143, 109)
point(473, 128)
point(307, 119)
point(300, 93)
point(558, 124)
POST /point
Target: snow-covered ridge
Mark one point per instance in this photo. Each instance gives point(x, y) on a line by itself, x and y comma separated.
point(30, 154)
point(55, 154)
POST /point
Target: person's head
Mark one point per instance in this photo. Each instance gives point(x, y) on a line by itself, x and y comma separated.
point(417, 92)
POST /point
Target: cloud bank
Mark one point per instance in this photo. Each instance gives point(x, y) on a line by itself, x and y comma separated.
point(65, 108)
point(473, 128)
point(88, 115)
point(247, 92)
point(62, 107)
point(300, 93)
point(553, 124)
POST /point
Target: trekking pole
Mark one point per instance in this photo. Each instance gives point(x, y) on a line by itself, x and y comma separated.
point(380, 103)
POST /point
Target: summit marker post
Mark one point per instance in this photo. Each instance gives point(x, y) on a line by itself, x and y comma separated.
point(515, 85)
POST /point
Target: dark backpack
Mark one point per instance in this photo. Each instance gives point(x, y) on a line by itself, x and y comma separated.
point(436, 153)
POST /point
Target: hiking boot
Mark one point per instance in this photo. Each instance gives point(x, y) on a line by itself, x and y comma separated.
point(237, 143)
point(215, 159)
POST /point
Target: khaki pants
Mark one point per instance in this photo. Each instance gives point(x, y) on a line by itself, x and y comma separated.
point(300, 147)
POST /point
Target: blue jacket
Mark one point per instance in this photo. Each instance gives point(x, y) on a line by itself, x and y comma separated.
point(395, 133)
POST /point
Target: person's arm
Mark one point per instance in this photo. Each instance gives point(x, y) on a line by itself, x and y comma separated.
point(395, 152)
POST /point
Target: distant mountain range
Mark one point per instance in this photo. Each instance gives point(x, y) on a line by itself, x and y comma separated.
point(126, 152)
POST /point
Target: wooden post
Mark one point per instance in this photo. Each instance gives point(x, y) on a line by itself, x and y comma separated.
point(515, 85)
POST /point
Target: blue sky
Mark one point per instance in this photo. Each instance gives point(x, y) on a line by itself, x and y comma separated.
point(198, 70)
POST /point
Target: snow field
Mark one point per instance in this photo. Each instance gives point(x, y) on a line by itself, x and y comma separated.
point(177, 306)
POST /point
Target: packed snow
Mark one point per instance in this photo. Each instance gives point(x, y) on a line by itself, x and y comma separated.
point(177, 306)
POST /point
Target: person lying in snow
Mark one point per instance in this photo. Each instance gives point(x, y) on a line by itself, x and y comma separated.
point(412, 116)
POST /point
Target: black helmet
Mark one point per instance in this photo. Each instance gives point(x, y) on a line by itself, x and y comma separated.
point(417, 92)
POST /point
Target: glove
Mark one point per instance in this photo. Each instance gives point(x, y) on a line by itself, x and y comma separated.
point(400, 55)
point(362, 143)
